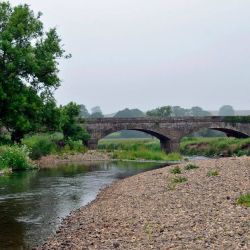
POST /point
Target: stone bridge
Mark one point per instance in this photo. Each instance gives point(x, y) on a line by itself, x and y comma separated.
point(168, 130)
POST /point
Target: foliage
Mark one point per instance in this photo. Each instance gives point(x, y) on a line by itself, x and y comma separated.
point(244, 200)
point(237, 119)
point(191, 166)
point(83, 111)
point(194, 111)
point(28, 69)
point(40, 146)
point(127, 113)
point(226, 110)
point(51, 143)
point(175, 170)
point(96, 112)
point(130, 149)
point(215, 146)
point(164, 111)
point(14, 157)
point(179, 179)
point(213, 173)
point(69, 123)
point(96, 115)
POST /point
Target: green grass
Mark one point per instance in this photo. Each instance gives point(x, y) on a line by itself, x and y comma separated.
point(213, 173)
point(15, 158)
point(190, 166)
point(244, 200)
point(175, 170)
point(49, 143)
point(215, 146)
point(179, 179)
point(137, 149)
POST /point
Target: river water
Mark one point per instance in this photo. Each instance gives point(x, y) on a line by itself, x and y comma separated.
point(33, 203)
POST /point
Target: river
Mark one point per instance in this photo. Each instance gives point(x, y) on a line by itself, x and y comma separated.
point(33, 203)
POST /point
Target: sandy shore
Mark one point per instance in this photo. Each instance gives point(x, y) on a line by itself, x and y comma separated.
point(147, 211)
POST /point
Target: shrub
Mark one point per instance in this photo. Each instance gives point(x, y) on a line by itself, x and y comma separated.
point(213, 173)
point(244, 200)
point(179, 179)
point(191, 166)
point(14, 157)
point(41, 147)
point(176, 170)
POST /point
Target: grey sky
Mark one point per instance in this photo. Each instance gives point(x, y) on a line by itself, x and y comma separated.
point(148, 53)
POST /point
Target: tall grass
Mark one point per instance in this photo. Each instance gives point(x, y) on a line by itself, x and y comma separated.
point(137, 149)
point(215, 146)
point(47, 144)
point(15, 158)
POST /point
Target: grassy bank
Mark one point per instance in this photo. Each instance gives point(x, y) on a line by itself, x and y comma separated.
point(149, 149)
point(14, 158)
point(136, 149)
point(215, 146)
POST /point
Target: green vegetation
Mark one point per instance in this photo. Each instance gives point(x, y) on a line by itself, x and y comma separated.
point(213, 173)
point(175, 181)
point(215, 146)
point(179, 179)
point(191, 166)
point(137, 149)
point(14, 158)
point(175, 170)
point(244, 200)
point(46, 144)
point(237, 119)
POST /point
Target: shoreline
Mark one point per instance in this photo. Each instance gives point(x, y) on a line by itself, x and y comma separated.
point(144, 212)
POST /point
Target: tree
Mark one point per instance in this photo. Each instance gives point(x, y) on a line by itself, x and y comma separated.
point(69, 123)
point(178, 111)
point(127, 113)
point(28, 69)
point(96, 109)
point(226, 110)
point(164, 111)
point(96, 112)
point(83, 111)
point(198, 111)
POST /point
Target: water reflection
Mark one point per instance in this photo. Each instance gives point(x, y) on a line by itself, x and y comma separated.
point(33, 203)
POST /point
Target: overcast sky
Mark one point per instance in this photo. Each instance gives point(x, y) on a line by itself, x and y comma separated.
point(149, 53)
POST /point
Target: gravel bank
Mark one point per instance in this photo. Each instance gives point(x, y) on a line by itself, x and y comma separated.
point(148, 212)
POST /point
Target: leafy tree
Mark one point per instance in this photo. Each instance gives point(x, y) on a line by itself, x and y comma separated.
point(178, 111)
point(198, 111)
point(96, 109)
point(126, 113)
point(69, 123)
point(28, 69)
point(226, 110)
point(96, 112)
point(164, 111)
point(83, 111)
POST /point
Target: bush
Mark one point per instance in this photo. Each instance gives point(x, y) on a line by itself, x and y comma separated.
point(179, 179)
point(191, 166)
point(14, 157)
point(176, 170)
point(41, 144)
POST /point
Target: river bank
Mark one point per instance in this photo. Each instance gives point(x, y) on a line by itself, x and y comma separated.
point(148, 212)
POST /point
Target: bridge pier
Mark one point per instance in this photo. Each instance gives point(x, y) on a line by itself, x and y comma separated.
point(170, 146)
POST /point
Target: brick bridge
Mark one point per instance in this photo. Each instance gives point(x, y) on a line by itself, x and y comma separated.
point(168, 130)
